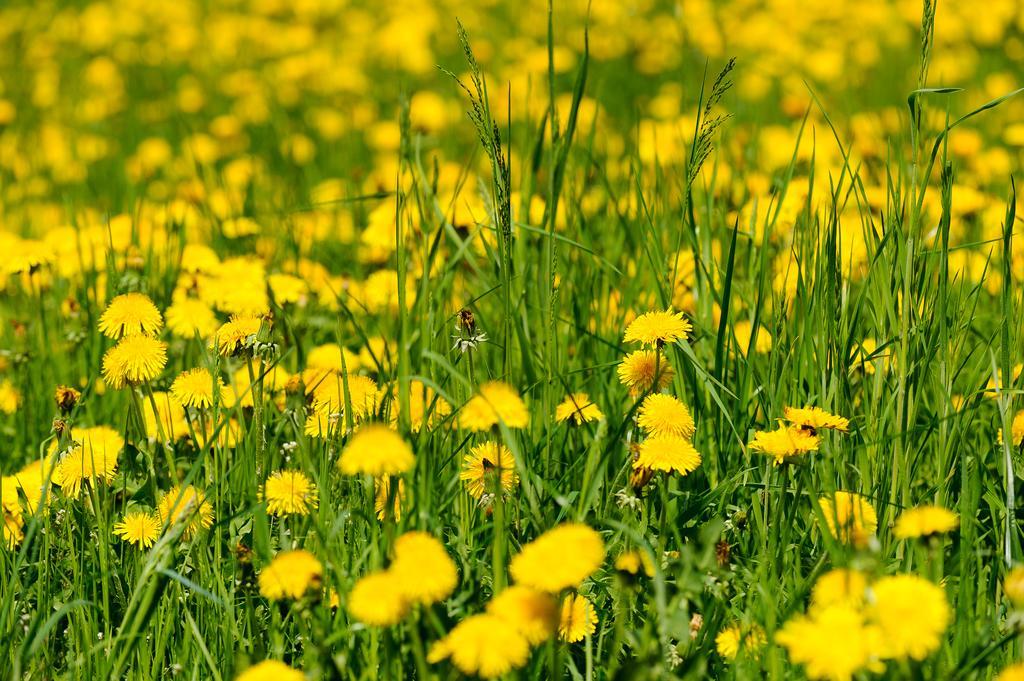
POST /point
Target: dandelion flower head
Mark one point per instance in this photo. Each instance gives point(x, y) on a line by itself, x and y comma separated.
point(559, 559)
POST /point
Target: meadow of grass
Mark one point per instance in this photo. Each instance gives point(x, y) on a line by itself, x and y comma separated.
point(610, 339)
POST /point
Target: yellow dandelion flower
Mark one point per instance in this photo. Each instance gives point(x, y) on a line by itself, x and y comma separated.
point(743, 329)
point(638, 371)
point(13, 518)
point(196, 388)
point(657, 328)
point(1015, 672)
point(291, 575)
point(332, 357)
point(381, 492)
point(271, 670)
point(91, 458)
point(426, 407)
point(377, 600)
point(579, 408)
point(328, 389)
point(236, 334)
point(483, 645)
point(376, 450)
point(168, 418)
point(578, 619)
point(1016, 430)
point(736, 637)
point(834, 643)
point(130, 314)
point(665, 415)
point(852, 514)
point(632, 561)
point(289, 493)
point(925, 521)
point(288, 289)
point(814, 419)
point(241, 391)
point(839, 586)
point(13, 529)
point(912, 614)
point(422, 569)
point(668, 453)
point(133, 360)
point(140, 528)
point(495, 402)
point(486, 466)
point(10, 398)
point(185, 505)
point(561, 558)
point(31, 483)
point(1013, 585)
point(189, 317)
point(534, 614)
point(784, 443)
point(321, 424)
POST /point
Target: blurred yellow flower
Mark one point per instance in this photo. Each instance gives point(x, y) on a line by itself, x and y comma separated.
point(533, 613)
point(422, 569)
point(840, 586)
point(376, 450)
point(271, 670)
point(578, 408)
point(561, 558)
point(735, 637)
point(924, 521)
point(852, 515)
point(487, 646)
point(377, 600)
point(912, 614)
point(496, 402)
point(834, 642)
point(291, 575)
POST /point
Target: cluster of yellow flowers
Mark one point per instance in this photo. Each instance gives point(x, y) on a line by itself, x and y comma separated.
point(855, 624)
point(798, 434)
point(525, 615)
point(666, 421)
point(240, 238)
